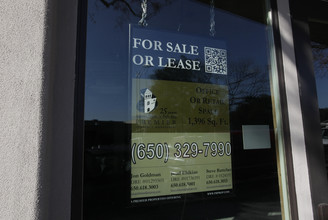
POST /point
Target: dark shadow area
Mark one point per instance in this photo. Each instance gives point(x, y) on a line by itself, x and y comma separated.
point(108, 124)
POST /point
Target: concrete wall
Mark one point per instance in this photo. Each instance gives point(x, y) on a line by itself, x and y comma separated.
point(37, 77)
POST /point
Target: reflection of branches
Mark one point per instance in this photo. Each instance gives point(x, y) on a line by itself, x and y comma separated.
point(320, 58)
point(131, 7)
point(253, 110)
point(108, 4)
point(246, 80)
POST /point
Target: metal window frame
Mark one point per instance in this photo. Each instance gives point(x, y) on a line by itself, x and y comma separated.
point(301, 11)
point(78, 133)
point(298, 67)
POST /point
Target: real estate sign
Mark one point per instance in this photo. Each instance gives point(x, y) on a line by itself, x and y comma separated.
point(180, 141)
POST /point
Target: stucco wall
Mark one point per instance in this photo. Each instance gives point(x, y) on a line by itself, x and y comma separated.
point(37, 67)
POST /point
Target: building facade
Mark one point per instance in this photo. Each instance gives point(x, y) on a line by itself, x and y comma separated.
point(235, 127)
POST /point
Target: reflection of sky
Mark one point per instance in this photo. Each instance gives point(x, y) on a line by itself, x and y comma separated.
point(321, 73)
point(322, 90)
point(107, 80)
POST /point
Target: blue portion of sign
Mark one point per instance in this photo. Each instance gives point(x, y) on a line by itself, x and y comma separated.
point(154, 50)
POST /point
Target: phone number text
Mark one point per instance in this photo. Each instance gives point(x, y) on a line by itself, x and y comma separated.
point(161, 151)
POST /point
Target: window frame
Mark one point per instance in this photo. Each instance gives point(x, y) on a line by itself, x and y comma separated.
point(301, 12)
point(78, 133)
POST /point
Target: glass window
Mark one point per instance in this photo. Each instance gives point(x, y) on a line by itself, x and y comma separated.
point(319, 43)
point(179, 121)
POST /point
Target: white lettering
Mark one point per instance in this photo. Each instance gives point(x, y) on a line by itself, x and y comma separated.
point(134, 59)
point(188, 64)
point(149, 61)
point(136, 41)
point(160, 62)
point(157, 45)
point(170, 62)
point(183, 48)
point(169, 47)
point(177, 49)
point(150, 44)
point(194, 50)
point(179, 64)
point(195, 65)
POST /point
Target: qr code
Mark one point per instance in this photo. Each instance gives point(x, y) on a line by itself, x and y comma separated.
point(215, 60)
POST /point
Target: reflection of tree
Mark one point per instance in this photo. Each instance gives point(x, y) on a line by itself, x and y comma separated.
point(320, 64)
point(253, 110)
point(246, 80)
point(320, 57)
point(116, 4)
point(131, 7)
point(177, 99)
point(248, 85)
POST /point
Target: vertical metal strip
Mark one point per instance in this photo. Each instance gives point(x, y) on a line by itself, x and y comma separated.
point(78, 133)
point(300, 163)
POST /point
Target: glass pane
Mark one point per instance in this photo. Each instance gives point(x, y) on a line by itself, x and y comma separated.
point(319, 43)
point(178, 111)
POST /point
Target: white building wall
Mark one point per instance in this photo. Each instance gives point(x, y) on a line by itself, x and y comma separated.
point(37, 67)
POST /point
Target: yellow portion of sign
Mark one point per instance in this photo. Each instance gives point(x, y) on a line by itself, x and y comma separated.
point(170, 106)
point(180, 139)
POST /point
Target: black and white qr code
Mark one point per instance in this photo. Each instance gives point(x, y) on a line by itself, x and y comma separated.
point(215, 60)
